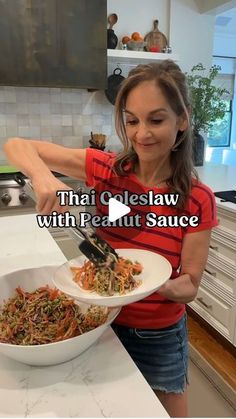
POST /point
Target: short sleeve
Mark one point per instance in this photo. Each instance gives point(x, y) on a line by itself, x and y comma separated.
point(202, 204)
point(99, 166)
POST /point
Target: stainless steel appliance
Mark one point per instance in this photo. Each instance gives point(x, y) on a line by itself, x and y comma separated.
point(13, 198)
point(14, 201)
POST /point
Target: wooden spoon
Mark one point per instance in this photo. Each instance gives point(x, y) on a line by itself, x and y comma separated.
point(112, 19)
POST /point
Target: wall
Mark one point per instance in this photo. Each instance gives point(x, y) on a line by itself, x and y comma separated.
point(225, 35)
point(215, 6)
point(224, 45)
point(64, 116)
point(190, 33)
point(137, 16)
point(67, 116)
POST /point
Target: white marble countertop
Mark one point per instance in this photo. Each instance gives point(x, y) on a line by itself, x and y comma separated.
point(219, 177)
point(101, 382)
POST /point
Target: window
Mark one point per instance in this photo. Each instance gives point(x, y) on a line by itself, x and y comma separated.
point(219, 134)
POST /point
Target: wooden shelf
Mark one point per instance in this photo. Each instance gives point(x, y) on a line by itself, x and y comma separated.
point(137, 57)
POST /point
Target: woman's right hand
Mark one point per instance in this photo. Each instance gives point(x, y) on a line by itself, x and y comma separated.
point(37, 159)
point(45, 189)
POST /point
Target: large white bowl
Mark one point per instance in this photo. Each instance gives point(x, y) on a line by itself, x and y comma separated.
point(52, 353)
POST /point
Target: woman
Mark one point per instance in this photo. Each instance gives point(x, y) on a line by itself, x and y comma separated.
point(152, 121)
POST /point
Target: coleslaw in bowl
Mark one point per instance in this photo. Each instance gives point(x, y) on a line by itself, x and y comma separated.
point(58, 351)
point(156, 270)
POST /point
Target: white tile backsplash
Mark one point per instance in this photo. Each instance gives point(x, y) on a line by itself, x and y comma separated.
point(22, 108)
point(44, 108)
point(24, 131)
point(3, 131)
point(11, 120)
point(10, 96)
point(64, 116)
point(12, 131)
point(2, 96)
point(67, 120)
point(55, 108)
point(2, 120)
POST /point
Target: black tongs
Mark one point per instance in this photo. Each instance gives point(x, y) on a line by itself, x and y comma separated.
point(89, 242)
point(93, 246)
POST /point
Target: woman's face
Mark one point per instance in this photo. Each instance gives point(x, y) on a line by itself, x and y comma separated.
point(151, 124)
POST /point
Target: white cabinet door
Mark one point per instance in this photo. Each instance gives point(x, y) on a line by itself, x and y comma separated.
point(216, 299)
point(217, 310)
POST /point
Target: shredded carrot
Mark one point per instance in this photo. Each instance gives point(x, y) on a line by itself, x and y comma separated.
point(45, 316)
point(106, 281)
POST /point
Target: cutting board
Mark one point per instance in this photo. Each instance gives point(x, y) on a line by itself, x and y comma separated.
point(155, 38)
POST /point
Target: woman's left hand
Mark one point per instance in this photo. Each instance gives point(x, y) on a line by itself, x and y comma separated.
point(182, 289)
point(163, 291)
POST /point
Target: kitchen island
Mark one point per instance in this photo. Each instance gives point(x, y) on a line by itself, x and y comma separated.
point(101, 382)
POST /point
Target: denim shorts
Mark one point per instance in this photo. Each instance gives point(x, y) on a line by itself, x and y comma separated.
point(160, 354)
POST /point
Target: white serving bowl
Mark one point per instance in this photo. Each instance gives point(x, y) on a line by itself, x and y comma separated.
point(52, 353)
point(156, 271)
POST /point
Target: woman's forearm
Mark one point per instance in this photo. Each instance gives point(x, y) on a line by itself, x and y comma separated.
point(22, 154)
point(35, 157)
point(181, 289)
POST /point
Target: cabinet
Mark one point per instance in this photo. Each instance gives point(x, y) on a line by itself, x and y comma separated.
point(216, 298)
point(53, 43)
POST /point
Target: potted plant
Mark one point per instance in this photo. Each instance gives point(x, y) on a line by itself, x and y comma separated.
point(207, 105)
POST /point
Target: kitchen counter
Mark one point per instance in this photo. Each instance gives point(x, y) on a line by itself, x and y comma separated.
point(101, 382)
point(219, 177)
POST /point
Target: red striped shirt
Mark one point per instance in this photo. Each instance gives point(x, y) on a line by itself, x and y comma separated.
point(154, 311)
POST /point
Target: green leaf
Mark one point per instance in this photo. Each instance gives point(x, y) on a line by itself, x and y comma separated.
point(207, 100)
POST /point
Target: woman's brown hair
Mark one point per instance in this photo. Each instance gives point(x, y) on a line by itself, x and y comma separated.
point(172, 82)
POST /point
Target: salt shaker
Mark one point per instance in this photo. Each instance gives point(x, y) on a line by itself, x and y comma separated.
point(167, 50)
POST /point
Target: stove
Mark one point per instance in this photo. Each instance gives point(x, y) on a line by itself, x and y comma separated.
point(13, 197)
